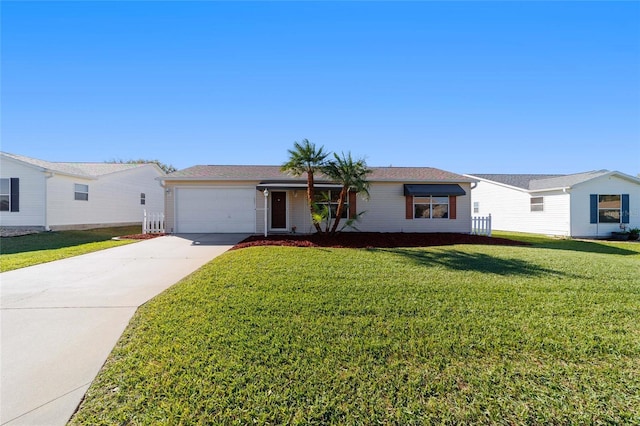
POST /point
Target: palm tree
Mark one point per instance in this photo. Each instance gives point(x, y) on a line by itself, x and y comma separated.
point(306, 158)
point(352, 175)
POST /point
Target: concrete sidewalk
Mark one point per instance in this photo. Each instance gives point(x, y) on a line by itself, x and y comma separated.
point(60, 320)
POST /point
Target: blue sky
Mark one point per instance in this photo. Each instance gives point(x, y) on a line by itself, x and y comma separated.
point(469, 87)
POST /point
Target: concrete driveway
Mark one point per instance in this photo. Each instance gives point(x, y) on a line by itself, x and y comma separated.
point(60, 320)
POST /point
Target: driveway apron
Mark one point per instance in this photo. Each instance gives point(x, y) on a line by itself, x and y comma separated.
point(59, 321)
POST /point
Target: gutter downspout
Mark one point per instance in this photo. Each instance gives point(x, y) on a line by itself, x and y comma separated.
point(566, 190)
point(47, 176)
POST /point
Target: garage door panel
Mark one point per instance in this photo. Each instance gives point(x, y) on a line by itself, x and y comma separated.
point(215, 210)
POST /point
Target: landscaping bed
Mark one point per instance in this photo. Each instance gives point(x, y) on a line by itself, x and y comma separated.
point(373, 240)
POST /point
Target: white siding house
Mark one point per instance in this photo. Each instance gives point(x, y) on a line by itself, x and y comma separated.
point(53, 195)
point(591, 204)
point(232, 199)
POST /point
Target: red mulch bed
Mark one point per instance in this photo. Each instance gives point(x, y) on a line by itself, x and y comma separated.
point(140, 236)
point(373, 240)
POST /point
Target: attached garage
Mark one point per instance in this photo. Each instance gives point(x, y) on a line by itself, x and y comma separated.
point(220, 209)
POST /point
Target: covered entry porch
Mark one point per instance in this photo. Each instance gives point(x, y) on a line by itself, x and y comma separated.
point(284, 207)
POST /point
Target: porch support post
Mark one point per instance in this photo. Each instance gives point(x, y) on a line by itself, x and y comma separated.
point(266, 218)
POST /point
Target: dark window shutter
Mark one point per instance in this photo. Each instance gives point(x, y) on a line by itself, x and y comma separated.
point(625, 208)
point(15, 194)
point(409, 207)
point(452, 206)
point(352, 205)
point(594, 208)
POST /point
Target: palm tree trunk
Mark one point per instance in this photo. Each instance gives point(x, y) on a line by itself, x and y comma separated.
point(310, 199)
point(343, 194)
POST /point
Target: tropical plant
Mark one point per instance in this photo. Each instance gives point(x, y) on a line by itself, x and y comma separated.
point(351, 175)
point(306, 158)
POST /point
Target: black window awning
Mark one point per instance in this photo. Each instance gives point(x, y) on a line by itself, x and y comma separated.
point(433, 189)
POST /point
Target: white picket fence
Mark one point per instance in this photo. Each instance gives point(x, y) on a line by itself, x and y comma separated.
point(153, 223)
point(481, 225)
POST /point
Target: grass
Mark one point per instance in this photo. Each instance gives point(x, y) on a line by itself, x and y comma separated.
point(580, 245)
point(28, 250)
point(444, 335)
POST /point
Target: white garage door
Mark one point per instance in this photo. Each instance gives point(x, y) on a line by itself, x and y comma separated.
point(215, 210)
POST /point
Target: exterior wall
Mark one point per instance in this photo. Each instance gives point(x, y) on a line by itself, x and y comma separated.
point(299, 215)
point(297, 212)
point(606, 185)
point(32, 194)
point(510, 209)
point(113, 199)
point(385, 211)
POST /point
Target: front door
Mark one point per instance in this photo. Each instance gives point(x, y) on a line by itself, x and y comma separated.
point(278, 210)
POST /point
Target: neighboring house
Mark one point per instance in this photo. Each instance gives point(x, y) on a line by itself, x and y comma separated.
point(53, 195)
point(232, 199)
point(591, 204)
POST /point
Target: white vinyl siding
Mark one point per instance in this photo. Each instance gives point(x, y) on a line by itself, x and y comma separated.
point(114, 199)
point(299, 215)
point(581, 225)
point(566, 212)
point(385, 211)
point(32, 194)
point(511, 209)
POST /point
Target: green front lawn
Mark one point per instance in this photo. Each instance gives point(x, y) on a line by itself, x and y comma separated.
point(456, 334)
point(28, 250)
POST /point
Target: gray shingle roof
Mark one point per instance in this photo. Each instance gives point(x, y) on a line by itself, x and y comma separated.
point(91, 170)
point(519, 181)
point(565, 181)
point(239, 172)
point(537, 182)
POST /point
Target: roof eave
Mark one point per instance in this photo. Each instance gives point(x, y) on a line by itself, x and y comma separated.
point(26, 163)
point(559, 188)
point(424, 180)
point(48, 169)
point(225, 179)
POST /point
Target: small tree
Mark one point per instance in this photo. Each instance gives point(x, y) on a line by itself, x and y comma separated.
point(306, 158)
point(351, 175)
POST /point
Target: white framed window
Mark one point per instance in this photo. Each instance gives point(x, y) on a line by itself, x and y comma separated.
point(609, 208)
point(476, 206)
point(5, 194)
point(431, 207)
point(537, 204)
point(143, 198)
point(330, 198)
point(81, 192)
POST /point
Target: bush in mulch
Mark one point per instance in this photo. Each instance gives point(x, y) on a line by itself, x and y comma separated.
point(373, 240)
point(140, 236)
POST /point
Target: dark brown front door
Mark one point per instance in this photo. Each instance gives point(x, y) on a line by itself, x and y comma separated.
point(278, 210)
